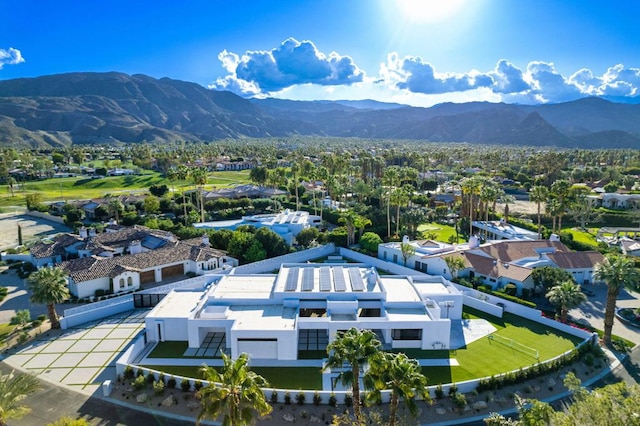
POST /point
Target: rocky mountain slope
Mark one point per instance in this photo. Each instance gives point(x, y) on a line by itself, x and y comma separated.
point(83, 108)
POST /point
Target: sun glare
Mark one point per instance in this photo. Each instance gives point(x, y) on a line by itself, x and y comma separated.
point(428, 10)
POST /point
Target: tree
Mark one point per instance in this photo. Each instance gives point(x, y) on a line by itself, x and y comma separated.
point(160, 190)
point(566, 295)
point(370, 241)
point(617, 272)
point(399, 374)
point(199, 177)
point(11, 182)
point(549, 276)
point(506, 200)
point(273, 243)
point(560, 190)
point(234, 392)
point(13, 389)
point(583, 212)
point(151, 204)
point(49, 286)
point(455, 264)
point(307, 236)
point(21, 318)
point(115, 207)
point(539, 194)
point(350, 352)
point(407, 251)
point(259, 175)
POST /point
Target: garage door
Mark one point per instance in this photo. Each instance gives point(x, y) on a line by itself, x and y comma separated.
point(147, 277)
point(172, 271)
point(259, 348)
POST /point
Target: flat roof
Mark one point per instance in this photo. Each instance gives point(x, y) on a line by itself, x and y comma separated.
point(415, 314)
point(176, 303)
point(243, 287)
point(399, 289)
point(325, 278)
point(433, 288)
point(261, 317)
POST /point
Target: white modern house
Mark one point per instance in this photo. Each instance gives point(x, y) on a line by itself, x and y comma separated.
point(302, 307)
point(287, 223)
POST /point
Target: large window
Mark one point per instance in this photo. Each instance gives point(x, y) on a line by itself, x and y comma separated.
point(407, 334)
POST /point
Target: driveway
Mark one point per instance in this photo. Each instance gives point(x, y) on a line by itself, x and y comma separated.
point(593, 311)
point(33, 228)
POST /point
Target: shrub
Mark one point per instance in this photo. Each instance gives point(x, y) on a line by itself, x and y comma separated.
point(317, 399)
point(158, 387)
point(287, 398)
point(332, 400)
point(453, 389)
point(99, 292)
point(348, 400)
point(197, 385)
point(274, 397)
point(41, 317)
point(439, 392)
point(128, 372)
point(138, 383)
point(151, 378)
point(300, 398)
point(185, 385)
point(459, 400)
point(171, 383)
point(36, 323)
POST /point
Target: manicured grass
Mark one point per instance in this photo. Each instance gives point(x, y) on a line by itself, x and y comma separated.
point(486, 357)
point(78, 188)
point(169, 350)
point(278, 377)
point(442, 232)
point(585, 237)
point(5, 330)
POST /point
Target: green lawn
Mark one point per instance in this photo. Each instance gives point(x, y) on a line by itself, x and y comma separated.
point(486, 357)
point(278, 377)
point(586, 237)
point(77, 188)
point(5, 330)
point(442, 232)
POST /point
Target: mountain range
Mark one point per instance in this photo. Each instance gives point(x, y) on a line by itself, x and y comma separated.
point(91, 108)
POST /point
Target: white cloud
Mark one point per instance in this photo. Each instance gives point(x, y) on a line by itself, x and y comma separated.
point(10, 56)
point(298, 70)
point(292, 63)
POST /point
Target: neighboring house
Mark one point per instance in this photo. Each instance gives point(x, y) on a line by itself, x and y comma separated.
point(244, 191)
point(501, 262)
point(501, 230)
point(613, 200)
point(128, 272)
point(630, 247)
point(235, 165)
point(392, 252)
point(287, 224)
point(279, 317)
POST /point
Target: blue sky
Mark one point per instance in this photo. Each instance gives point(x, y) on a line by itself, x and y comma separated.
point(418, 52)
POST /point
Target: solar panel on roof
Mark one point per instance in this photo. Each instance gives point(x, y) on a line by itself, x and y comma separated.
point(338, 279)
point(307, 279)
point(152, 242)
point(325, 278)
point(356, 279)
point(292, 280)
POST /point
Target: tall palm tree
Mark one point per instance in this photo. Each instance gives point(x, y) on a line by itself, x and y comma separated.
point(14, 389)
point(561, 189)
point(351, 350)
point(539, 194)
point(506, 200)
point(390, 180)
point(399, 374)
point(470, 187)
point(199, 178)
point(234, 392)
point(48, 286)
point(114, 207)
point(617, 272)
point(566, 295)
point(455, 264)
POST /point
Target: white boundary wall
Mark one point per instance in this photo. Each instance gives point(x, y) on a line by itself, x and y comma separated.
point(46, 216)
point(274, 263)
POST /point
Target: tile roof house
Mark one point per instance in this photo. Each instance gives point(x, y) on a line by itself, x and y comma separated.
point(122, 260)
point(498, 263)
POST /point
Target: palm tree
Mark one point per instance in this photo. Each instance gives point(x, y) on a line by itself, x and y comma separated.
point(49, 286)
point(617, 272)
point(351, 350)
point(390, 178)
point(114, 207)
point(455, 264)
point(539, 194)
point(566, 295)
point(199, 177)
point(234, 392)
point(507, 199)
point(399, 374)
point(13, 389)
point(561, 190)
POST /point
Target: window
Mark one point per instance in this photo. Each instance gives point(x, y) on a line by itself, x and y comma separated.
point(129, 282)
point(121, 282)
point(395, 258)
point(407, 334)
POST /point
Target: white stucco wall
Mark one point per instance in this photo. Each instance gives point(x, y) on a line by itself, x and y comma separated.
point(88, 288)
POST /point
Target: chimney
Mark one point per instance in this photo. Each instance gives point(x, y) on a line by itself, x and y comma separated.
point(83, 232)
point(92, 232)
point(205, 239)
point(474, 242)
point(135, 247)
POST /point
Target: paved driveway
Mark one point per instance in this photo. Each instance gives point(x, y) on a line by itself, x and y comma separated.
point(82, 357)
point(593, 311)
point(32, 229)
